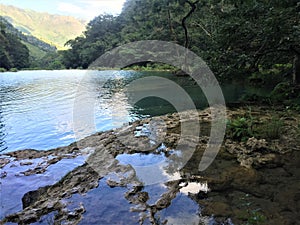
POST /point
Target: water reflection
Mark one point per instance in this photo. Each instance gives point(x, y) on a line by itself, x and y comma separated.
point(15, 184)
point(36, 107)
point(133, 202)
point(2, 125)
point(110, 189)
point(2, 133)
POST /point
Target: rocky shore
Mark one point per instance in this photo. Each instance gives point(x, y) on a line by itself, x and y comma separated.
point(252, 181)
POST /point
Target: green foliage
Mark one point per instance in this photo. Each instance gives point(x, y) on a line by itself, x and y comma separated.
point(13, 54)
point(270, 129)
point(282, 92)
point(244, 127)
point(151, 67)
point(13, 70)
point(271, 76)
point(256, 218)
point(233, 37)
point(240, 128)
point(22, 51)
point(34, 51)
point(26, 39)
point(52, 61)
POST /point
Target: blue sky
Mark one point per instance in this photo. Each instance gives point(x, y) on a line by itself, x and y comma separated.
point(85, 9)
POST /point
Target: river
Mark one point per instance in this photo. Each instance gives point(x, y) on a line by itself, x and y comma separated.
point(36, 107)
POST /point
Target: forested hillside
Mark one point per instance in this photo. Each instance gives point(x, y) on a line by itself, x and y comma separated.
point(52, 29)
point(245, 38)
point(13, 53)
point(26, 38)
point(21, 51)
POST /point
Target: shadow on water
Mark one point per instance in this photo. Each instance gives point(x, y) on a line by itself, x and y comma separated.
point(36, 107)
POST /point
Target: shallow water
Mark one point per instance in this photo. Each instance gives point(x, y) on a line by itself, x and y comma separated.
point(113, 208)
point(15, 184)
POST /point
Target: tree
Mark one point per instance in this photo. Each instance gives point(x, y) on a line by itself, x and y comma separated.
point(236, 38)
point(193, 6)
point(13, 54)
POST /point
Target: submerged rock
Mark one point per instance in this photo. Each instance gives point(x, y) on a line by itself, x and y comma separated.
point(257, 178)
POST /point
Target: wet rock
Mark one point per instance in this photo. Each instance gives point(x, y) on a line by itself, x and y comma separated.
point(143, 197)
point(112, 183)
point(3, 174)
point(166, 198)
point(256, 145)
point(245, 161)
point(254, 153)
point(218, 209)
point(26, 163)
point(243, 178)
point(4, 162)
point(32, 196)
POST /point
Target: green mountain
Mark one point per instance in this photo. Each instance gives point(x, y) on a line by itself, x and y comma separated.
point(27, 38)
point(19, 51)
point(13, 53)
point(53, 29)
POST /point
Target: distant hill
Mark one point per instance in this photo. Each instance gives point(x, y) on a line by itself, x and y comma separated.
point(20, 51)
point(53, 29)
point(13, 53)
point(27, 38)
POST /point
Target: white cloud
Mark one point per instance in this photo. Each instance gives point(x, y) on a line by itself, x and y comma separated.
point(89, 9)
point(69, 8)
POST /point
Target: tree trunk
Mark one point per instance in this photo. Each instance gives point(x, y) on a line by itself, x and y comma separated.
point(193, 6)
point(296, 69)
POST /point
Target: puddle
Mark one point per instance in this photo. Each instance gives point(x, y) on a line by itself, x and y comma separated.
point(47, 219)
point(194, 188)
point(152, 168)
point(182, 210)
point(136, 191)
point(104, 205)
point(15, 184)
point(111, 205)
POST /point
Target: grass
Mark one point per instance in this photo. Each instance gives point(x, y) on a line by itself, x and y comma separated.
point(244, 127)
point(248, 214)
point(34, 51)
point(271, 129)
point(256, 218)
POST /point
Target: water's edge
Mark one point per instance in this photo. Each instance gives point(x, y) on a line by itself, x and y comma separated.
point(128, 168)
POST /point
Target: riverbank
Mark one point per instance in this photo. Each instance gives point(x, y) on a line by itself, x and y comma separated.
point(253, 180)
point(153, 67)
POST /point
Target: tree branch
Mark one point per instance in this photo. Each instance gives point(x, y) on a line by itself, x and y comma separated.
point(204, 29)
point(193, 6)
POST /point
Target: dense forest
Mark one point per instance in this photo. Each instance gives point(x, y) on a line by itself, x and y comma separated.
point(24, 51)
point(258, 39)
point(13, 53)
point(234, 37)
